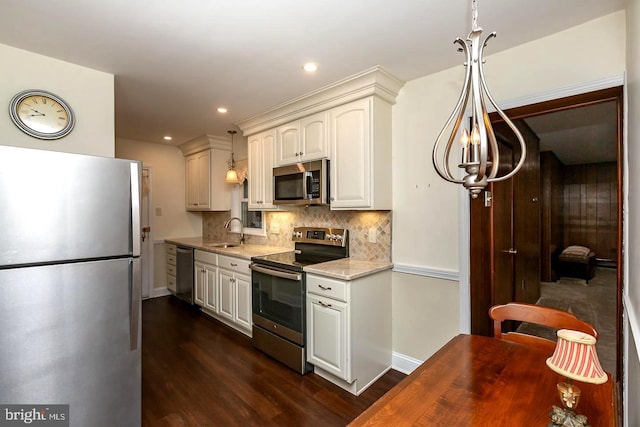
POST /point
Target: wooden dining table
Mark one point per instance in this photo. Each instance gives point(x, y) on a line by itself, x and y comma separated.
point(481, 381)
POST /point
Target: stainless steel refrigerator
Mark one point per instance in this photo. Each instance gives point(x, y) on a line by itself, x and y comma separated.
point(70, 291)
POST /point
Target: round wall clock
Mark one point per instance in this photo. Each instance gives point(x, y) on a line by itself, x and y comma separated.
point(41, 114)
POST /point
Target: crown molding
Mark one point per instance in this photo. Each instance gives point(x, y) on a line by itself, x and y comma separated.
point(205, 142)
point(374, 81)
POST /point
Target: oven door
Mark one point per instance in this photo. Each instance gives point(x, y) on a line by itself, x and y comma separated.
point(279, 302)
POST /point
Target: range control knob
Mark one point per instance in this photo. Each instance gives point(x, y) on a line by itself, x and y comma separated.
point(331, 237)
point(297, 234)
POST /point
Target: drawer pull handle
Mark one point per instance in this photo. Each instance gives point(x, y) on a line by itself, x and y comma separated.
point(233, 264)
point(325, 288)
point(324, 305)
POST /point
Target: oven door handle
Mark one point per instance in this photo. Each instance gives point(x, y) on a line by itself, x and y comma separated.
point(277, 273)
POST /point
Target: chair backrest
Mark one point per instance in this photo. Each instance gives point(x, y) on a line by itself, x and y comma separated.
point(546, 316)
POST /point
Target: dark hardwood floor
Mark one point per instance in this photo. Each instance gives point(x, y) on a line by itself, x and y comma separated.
point(198, 372)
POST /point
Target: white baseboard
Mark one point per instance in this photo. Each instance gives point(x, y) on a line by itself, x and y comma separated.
point(404, 364)
point(159, 292)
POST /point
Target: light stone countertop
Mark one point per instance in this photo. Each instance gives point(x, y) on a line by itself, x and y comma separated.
point(348, 268)
point(245, 251)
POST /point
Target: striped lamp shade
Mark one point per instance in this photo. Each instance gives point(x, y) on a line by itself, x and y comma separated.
point(575, 357)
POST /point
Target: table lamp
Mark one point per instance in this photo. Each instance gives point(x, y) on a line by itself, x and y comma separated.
point(575, 358)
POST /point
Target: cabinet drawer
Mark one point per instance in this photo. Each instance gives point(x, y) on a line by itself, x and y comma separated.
point(329, 288)
point(171, 248)
point(171, 259)
point(206, 257)
point(171, 282)
point(171, 270)
point(235, 264)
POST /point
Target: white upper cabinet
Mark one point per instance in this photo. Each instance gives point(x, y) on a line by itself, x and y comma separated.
point(349, 123)
point(360, 153)
point(303, 140)
point(260, 172)
point(206, 165)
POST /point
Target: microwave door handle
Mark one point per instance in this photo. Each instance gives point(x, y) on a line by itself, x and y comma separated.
point(308, 176)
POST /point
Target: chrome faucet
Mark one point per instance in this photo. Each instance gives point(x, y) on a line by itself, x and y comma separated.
point(228, 224)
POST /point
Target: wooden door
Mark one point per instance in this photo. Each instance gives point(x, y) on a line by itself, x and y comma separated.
point(505, 230)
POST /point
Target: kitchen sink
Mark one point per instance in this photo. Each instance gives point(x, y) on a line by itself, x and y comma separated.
point(221, 245)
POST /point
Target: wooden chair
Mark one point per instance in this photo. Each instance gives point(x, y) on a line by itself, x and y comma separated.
point(546, 316)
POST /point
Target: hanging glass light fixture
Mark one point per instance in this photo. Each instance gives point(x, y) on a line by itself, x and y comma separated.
point(232, 174)
point(479, 149)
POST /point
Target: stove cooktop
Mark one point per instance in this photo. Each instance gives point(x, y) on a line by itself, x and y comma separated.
point(313, 245)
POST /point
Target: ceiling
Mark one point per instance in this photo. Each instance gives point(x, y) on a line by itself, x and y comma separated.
point(579, 135)
point(176, 61)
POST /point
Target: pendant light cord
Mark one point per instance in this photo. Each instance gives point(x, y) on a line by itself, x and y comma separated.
point(474, 15)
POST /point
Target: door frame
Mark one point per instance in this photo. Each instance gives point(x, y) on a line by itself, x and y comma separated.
point(147, 247)
point(558, 99)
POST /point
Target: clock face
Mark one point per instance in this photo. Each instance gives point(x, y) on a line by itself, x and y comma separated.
point(41, 114)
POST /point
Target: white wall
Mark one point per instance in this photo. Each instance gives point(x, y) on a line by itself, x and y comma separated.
point(426, 208)
point(632, 220)
point(89, 92)
point(168, 169)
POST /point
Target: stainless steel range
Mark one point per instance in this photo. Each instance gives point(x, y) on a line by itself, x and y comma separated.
point(279, 293)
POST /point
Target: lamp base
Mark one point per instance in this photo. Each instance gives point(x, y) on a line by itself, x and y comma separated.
point(566, 418)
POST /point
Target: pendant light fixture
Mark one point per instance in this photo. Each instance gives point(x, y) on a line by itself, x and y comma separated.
point(232, 174)
point(479, 149)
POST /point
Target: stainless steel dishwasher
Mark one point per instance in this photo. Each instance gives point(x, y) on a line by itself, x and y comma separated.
point(184, 273)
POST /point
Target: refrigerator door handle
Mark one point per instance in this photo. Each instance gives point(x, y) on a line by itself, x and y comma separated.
point(135, 208)
point(135, 279)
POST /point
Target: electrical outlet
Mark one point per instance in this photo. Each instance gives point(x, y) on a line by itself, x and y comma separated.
point(373, 235)
point(158, 211)
point(274, 228)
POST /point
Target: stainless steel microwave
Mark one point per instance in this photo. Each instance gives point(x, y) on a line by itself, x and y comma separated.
point(302, 183)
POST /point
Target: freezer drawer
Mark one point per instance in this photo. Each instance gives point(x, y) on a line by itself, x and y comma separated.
point(66, 338)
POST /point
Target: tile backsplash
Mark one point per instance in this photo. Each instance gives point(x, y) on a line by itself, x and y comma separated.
point(280, 226)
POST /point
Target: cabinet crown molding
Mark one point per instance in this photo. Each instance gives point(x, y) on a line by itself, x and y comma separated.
point(374, 81)
point(205, 142)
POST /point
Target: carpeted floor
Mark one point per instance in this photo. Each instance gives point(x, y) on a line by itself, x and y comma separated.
point(593, 302)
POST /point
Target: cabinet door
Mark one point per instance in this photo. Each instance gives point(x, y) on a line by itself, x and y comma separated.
point(313, 137)
point(255, 173)
point(200, 278)
point(287, 144)
point(211, 290)
point(260, 151)
point(226, 294)
point(350, 140)
point(191, 164)
point(204, 189)
point(327, 335)
point(268, 147)
point(243, 301)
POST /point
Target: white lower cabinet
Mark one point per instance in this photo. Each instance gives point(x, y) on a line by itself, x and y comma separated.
point(349, 329)
point(205, 275)
point(223, 289)
point(327, 343)
point(171, 267)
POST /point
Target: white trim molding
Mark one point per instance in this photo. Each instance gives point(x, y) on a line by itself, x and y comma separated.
point(563, 92)
point(374, 81)
point(633, 321)
point(159, 292)
point(403, 363)
point(436, 273)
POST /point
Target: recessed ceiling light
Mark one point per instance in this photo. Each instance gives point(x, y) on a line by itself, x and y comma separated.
point(222, 110)
point(167, 138)
point(310, 67)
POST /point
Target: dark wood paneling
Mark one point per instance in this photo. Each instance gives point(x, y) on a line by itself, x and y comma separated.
point(591, 208)
point(551, 178)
